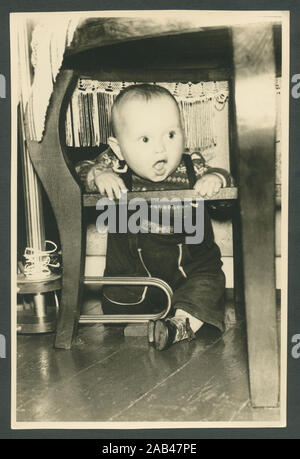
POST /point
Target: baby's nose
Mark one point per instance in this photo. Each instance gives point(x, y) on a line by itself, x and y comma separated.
point(160, 147)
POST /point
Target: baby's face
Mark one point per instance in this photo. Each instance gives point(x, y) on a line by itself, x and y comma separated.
point(150, 136)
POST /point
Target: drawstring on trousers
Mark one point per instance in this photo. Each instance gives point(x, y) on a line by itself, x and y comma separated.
point(142, 261)
point(180, 260)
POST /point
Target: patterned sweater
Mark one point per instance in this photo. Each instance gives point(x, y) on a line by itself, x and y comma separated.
point(88, 169)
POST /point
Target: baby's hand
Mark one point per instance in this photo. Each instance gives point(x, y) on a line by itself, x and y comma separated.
point(208, 185)
point(110, 183)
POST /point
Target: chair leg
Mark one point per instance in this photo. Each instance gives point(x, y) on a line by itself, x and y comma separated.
point(238, 275)
point(254, 65)
point(72, 280)
point(64, 193)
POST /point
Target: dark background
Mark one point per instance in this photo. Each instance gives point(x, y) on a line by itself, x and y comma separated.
point(292, 431)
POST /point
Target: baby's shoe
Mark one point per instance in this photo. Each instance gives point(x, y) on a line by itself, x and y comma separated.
point(163, 333)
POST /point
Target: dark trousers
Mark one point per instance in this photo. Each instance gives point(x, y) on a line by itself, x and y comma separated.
point(193, 271)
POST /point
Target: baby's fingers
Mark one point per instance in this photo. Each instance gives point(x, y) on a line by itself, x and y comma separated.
point(117, 186)
point(101, 187)
point(217, 188)
point(110, 185)
point(211, 189)
point(121, 186)
point(201, 188)
point(105, 187)
point(110, 191)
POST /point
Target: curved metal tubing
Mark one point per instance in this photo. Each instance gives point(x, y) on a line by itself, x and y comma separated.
point(125, 318)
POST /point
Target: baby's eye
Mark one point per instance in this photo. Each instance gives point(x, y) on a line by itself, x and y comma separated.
point(145, 139)
point(172, 134)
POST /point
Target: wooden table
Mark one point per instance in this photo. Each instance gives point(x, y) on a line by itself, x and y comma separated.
point(253, 156)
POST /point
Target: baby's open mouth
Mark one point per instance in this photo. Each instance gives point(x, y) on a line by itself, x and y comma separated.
point(160, 167)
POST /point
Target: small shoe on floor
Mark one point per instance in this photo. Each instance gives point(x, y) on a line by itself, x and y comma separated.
point(163, 333)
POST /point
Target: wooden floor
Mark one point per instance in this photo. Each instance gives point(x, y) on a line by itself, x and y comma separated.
point(107, 376)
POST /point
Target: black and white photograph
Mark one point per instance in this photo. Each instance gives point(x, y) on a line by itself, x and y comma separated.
point(149, 220)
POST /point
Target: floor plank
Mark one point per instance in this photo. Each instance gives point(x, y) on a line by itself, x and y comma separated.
point(96, 382)
point(107, 376)
point(211, 386)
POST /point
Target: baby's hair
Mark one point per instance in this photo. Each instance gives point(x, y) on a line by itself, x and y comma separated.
point(144, 91)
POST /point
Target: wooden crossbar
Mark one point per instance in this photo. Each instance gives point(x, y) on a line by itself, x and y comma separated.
point(90, 200)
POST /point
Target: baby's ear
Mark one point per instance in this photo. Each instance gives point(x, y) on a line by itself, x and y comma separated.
point(114, 145)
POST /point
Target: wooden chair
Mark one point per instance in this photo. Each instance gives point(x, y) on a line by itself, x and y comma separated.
point(252, 131)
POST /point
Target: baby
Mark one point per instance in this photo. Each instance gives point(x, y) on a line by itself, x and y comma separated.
point(146, 153)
